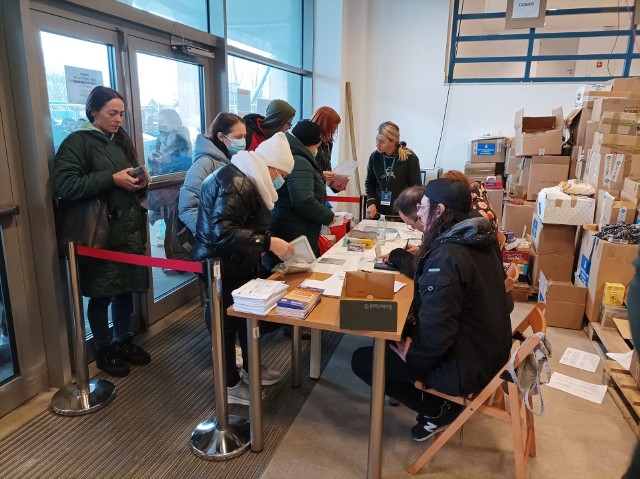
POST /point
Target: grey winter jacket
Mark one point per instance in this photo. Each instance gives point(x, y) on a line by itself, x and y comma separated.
point(207, 158)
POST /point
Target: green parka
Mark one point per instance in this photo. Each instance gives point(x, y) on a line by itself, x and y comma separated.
point(81, 175)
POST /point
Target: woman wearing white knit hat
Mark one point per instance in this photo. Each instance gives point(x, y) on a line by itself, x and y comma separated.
point(233, 222)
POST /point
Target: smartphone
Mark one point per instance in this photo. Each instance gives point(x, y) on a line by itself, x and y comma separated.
point(385, 266)
point(142, 174)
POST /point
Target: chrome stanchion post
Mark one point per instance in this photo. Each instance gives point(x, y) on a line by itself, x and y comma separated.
point(221, 437)
point(363, 207)
point(296, 357)
point(255, 386)
point(83, 396)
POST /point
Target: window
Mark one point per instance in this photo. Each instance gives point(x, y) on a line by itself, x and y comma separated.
point(579, 42)
point(253, 85)
point(187, 12)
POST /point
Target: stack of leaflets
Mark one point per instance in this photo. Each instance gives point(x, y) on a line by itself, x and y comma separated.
point(299, 302)
point(258, 296)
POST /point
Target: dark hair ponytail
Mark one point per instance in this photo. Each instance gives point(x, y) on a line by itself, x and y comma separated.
point(98, 97)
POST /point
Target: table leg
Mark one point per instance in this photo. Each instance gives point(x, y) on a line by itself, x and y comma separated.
point(315, 353)
point(374, 463)
point(296, 357)
point(255, 386)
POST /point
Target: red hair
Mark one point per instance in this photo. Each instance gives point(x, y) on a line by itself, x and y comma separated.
point(458, 176)
point(328, 120)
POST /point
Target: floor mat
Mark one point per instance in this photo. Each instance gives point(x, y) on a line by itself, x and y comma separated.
point(145, 431)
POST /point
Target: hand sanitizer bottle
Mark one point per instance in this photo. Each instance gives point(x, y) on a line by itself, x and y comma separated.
point(381, 236)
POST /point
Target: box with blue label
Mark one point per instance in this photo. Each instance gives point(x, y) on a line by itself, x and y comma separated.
point(553, 239)
point(489, 150)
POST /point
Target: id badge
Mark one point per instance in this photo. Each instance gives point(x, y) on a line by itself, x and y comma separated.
point(385, 199)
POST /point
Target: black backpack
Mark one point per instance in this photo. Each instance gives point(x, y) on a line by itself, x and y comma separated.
point(178, 239)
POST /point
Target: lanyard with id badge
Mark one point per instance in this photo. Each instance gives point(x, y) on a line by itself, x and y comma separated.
point(385, 198)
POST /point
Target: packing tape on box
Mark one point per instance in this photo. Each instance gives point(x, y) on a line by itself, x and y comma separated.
point(616, 121)
point(573, 201)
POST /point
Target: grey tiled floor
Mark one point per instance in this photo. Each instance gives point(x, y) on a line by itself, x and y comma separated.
point(575, 438)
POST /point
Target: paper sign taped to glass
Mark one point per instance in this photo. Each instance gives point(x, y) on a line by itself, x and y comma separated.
point(301, 260)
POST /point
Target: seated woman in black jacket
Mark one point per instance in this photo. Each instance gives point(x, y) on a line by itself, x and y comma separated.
point(461, 336)
point(233, 222)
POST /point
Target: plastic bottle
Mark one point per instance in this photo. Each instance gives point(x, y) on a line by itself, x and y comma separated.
point(381, 234)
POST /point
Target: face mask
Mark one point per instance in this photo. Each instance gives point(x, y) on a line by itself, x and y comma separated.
point(237, 145)
point(278, 182)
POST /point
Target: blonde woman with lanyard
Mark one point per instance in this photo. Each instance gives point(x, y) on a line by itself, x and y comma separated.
point(392, 168)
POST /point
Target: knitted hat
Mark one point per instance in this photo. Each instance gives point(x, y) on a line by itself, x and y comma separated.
point(276, 152)
point(452, 194)
point(278, 113)
point(307, 132)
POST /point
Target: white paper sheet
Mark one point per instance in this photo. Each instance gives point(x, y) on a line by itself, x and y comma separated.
point(332, 286)
point(337, 263)
point(591, 392)
point(346, 168)
point(398, 285)
point(624, 359)
point(580, 359)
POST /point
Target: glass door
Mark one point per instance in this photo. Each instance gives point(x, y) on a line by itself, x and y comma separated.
point(169, 104)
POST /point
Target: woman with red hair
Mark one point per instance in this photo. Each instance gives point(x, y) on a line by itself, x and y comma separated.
point(328, 120)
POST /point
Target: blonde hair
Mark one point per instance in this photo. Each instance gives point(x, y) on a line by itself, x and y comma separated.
point(391, 131)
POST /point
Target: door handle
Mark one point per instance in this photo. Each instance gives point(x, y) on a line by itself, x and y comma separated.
point(9, 210)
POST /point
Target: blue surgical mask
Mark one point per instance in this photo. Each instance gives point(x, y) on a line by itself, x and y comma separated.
point(237, 145)
point(278, 182)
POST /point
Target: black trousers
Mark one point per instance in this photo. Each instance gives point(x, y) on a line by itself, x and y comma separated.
point(399, 379)
point(121, 310)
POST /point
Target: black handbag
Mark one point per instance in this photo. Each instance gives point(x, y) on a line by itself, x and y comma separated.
point(84, 221)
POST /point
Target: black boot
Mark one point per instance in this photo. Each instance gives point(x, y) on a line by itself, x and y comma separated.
point(111, 362)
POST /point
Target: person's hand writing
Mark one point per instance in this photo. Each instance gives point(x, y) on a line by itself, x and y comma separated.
point(412, 248)
point(125, 181)
point(384, 258)
point(401, 347)
point(372, 211)
point(280, 247)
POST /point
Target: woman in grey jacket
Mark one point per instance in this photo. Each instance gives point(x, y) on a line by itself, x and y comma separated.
point(225, 138)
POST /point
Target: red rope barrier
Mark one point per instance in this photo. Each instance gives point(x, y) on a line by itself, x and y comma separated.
point(139, 260)
point(344, 199)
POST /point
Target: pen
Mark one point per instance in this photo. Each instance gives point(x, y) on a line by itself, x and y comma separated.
point(406, 245)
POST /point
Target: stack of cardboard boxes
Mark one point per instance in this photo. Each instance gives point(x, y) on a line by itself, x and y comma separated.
point(486, 164)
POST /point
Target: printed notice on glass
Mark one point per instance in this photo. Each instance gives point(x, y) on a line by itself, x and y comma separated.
point(526, 9)
point(580, 359)
point(591, 392)
point(80, 82)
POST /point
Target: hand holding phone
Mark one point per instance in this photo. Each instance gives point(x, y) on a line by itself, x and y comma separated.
point(142, 174)
point(385, 266)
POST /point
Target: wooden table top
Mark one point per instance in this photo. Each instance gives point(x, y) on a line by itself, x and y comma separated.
point(326, 314)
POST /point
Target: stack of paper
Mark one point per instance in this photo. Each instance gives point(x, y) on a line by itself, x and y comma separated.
point(258, 296)
point(298, 303)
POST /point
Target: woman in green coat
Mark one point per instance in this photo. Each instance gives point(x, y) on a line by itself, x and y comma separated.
point(95, 161)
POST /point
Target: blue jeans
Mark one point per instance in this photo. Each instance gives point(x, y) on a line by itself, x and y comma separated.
point(121, 310)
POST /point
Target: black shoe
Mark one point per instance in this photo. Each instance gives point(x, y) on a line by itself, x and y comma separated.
point(428, 426)
point(132, 353)
point(111, 362)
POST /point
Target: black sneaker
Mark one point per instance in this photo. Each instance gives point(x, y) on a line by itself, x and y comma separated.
point(111, 362)
point(428, 426)
point(133, 353)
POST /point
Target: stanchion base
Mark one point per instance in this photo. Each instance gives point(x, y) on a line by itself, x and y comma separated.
point(69, 401)
point(212, 444)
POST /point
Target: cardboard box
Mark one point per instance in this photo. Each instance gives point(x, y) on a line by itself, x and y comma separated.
point(601, 261)
point(610, 143)
point(634, 369)
point(608, 171)
point(607, 313)
point(540, 172)
point(564, 303)
point(576, 156)
point(553, 239)
point(367, 302)
point(519, 258)
point(556, 267)
point(592, 129)
point(613, 294)
point(631, 186)
point(615, 105)
point(488, 150)
point(496, 198)
point(585, 116)
point(538, 135)
point(620, 123)
point(517, 218)
point(511, 165)
point(624, 84)
point(600, 201)
point(555, 207)
point(615, 211)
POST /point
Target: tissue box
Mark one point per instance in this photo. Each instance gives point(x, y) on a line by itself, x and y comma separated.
point(613, 294)
point(555, 207)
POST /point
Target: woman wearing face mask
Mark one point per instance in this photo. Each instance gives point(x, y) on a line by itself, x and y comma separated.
point(224, 138)
point(233, 225)
point(300, 209)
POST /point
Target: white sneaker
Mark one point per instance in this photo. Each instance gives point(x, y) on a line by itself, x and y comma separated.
point(268, 377)
point(239, 394)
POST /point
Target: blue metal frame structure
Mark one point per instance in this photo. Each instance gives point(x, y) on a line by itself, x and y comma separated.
point(531, 37)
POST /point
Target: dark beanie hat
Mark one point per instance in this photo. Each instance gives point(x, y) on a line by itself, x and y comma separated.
point(452, 194)
point(307, 132)
point(278, 113)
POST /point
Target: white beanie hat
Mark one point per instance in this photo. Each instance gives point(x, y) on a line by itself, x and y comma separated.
point(276, 152)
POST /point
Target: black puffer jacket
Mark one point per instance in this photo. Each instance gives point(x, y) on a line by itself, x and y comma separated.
point(462, 334)
point(232, 222)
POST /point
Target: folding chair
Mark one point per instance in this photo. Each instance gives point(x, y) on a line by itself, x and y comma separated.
point(491, 401)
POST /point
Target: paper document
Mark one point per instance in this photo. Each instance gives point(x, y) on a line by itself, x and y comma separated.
point(580, 359)
point(332, 286)
point(624, 359)
point(346, 168)
point(410, 235)
point(337, 263)
point(591, 392)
